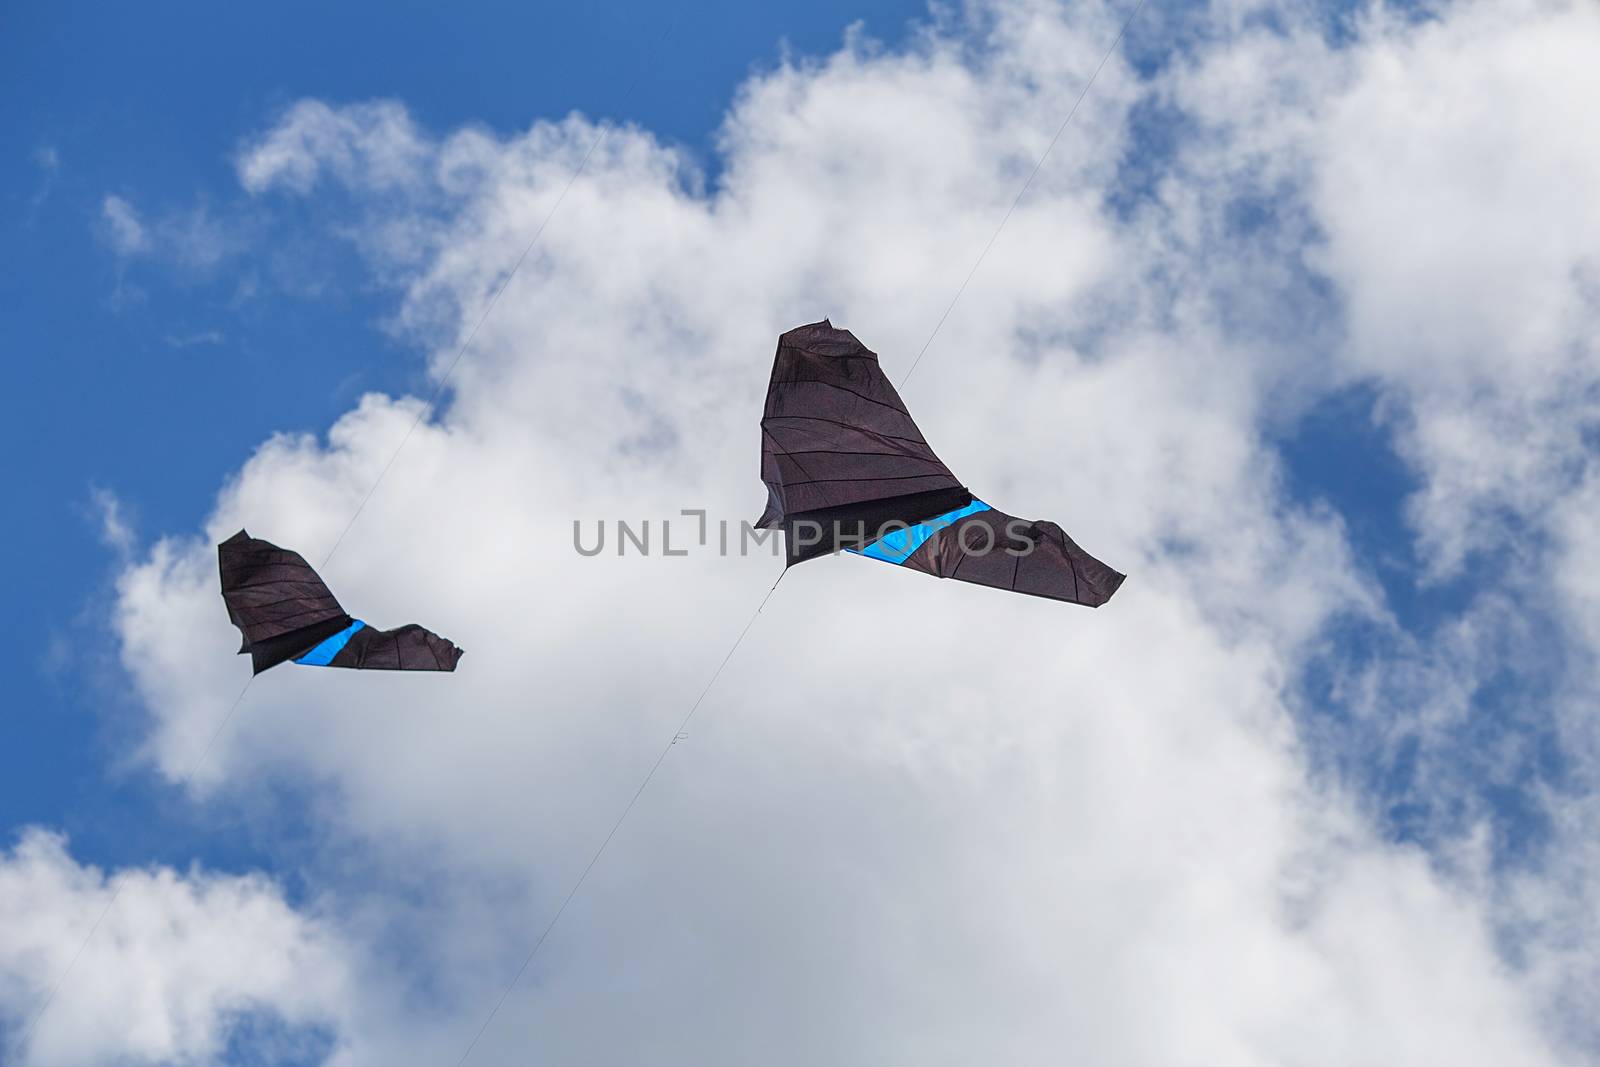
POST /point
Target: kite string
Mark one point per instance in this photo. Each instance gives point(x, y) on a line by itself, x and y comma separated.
point(606, 127)
point(677, 736)
point(1023, 191)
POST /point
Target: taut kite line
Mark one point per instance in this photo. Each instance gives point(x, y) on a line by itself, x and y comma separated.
point(286, 612)
point(846, 468)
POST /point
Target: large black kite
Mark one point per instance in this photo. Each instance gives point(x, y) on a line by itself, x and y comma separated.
point(285, 612)
point(846, 468)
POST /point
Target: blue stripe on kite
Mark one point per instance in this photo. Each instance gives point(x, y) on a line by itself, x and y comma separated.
point(897, 545)
point(323, 654)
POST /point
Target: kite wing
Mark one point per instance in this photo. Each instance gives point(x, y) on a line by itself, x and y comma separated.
point(846, 468)
point(285, 611)
point(988, 547)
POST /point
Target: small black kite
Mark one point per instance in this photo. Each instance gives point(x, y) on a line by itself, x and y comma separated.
point(285, 612)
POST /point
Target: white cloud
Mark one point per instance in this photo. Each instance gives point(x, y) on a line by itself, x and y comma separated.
point(48, 161)
point(123, 230)
point(195, 240)
point(200, 337)
point(374, 145)
point(179, 962)
point(918, 822)
point(115, 530)
point(1461, 231)
point(192, 240)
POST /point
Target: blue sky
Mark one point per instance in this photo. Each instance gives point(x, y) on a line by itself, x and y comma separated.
point(156, 381)
point(1237, 273)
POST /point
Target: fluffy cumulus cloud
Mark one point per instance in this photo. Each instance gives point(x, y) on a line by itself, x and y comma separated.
point(181, 963)
point(1449, 188)
point(916, 822)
